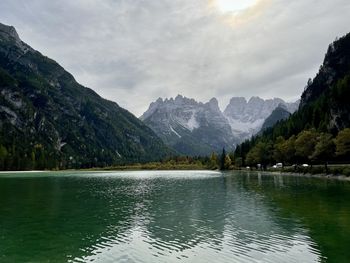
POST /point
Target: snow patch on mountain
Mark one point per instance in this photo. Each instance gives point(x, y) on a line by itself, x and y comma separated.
point(247, 117)
point(172, 129)
point(243, 129)
point(183, 121)
point(192, 123)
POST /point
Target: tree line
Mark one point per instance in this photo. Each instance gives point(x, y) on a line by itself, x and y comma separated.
point(309, 146)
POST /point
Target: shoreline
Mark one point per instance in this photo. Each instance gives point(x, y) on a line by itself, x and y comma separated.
point(30, 171)
point(291, 174)
point(104, 170)
point(305, 175)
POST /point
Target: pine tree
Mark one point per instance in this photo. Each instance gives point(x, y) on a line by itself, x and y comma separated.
point(222, 160)
point(3, 155)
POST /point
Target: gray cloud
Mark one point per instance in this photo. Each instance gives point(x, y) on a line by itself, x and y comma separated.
point(134, 51)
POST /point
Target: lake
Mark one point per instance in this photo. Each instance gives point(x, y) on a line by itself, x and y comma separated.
point(172, 216)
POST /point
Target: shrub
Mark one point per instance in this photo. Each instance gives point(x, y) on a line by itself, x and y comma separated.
point(318, 170)
point(336, 170)
point(346, 171)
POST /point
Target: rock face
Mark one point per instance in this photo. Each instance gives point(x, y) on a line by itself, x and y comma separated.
point(335, 66)
point(196, 128)
point(190, 127)
point(48, 120)
point(246, 118)
point(324, 103)
point(327, 95)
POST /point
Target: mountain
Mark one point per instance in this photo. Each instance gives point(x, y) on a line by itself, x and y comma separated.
point(278, 114)
point(190, 127)
point(246, 118)
point(324, 107)
point(48, 120)
point(325, 101)
point(195, 128)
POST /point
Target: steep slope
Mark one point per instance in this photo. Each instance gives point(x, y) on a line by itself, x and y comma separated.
point(48, 120)
point(195, 128)
point(190, 127)
point(335, 67)
point(278, 114)
point(325, 101)
point(324, 104)
point(247, 117)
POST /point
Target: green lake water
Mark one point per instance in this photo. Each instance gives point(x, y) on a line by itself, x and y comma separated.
point(175, 216)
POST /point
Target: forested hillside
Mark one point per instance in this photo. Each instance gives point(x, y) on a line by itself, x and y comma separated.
point(317, 131)
point(48, 120)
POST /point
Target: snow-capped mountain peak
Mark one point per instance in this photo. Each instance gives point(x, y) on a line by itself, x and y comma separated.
point(202, 126)
point(247, 117)
point(193, 127)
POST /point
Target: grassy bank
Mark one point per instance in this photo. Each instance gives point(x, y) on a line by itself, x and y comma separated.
point(318, 169)
point(332, 170)
point(154, 166)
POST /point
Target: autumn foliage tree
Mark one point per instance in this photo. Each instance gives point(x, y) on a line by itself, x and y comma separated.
point(324, 149)
point(308, 145)
point(260, 154)
point(305, 144)
point(342, 143)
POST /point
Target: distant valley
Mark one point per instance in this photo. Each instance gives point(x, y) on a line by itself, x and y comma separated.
point(49, 121)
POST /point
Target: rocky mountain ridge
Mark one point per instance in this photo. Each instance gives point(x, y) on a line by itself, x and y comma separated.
point(48, 120)
point(203, 125)
point(190, 127)
point(326, 96)
point(246, 118)
point(323, 115)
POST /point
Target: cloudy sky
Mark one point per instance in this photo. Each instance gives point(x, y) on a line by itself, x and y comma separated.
point(134, 51)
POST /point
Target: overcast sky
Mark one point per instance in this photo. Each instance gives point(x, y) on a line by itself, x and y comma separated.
point(134, 51)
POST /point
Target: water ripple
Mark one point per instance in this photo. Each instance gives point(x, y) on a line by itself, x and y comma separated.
point(161, 217)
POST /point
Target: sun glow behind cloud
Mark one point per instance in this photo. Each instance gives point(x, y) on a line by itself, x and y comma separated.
point(239, 12)
point(234, 6)
point(147, 49)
